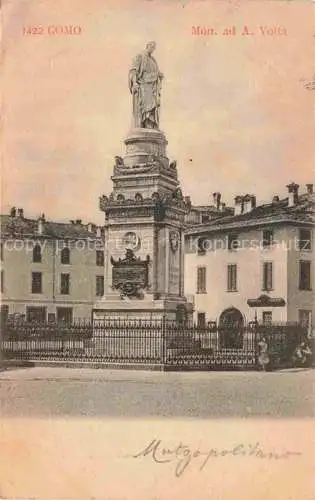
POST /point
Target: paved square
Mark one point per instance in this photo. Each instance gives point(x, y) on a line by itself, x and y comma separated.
point(43, 392)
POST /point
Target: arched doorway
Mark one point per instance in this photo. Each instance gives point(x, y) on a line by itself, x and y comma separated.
point(231, 327)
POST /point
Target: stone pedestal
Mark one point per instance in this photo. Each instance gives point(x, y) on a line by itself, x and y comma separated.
point(144, 222)
point(112, 307)
point(143, 146)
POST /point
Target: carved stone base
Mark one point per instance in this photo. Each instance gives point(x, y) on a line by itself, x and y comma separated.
point(112, 307)
point(144, 146)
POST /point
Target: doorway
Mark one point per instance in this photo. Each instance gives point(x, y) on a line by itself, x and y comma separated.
point(231, 327)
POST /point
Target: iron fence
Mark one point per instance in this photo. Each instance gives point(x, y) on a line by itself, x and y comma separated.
point(151, 342)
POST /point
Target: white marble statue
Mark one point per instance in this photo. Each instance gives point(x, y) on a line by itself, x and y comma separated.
point(145, 86)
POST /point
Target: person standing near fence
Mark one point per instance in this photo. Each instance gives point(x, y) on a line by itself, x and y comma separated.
point(263, 356)
point(302, 355)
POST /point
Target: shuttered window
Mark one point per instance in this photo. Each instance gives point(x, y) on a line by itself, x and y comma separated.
point(201, 280)
point(267, 278)
point(232, 278)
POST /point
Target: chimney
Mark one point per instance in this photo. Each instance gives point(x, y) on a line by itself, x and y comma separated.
point(293, 190)
point(249, 202)
point(90, 227)
point(309, 188)
point(275, 199)
point(98, 232)
point(21, 212)
point(238, 205)
point(217, 200)
point(13, 212)
point(223, 207)
point(40, 224)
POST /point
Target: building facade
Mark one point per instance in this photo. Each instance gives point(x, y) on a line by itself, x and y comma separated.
point(255, 264)
point(50, 271)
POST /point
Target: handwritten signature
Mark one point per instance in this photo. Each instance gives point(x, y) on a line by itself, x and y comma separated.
point(182, 455)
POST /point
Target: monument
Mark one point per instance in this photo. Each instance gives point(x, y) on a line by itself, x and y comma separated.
point(144, 214)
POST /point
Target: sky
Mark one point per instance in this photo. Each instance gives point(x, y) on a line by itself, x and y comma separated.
point(235, 110)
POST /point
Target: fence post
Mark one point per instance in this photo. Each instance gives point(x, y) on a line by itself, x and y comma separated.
point(163, 336)
point(255, 346)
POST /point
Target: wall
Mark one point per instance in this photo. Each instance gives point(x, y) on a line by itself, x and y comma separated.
point(249, 259)
point(300, 299)
point(18, 265)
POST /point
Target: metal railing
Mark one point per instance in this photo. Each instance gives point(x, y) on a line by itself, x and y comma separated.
point(150, 342)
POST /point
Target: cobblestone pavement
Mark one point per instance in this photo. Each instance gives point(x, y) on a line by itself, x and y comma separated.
point(42, 392)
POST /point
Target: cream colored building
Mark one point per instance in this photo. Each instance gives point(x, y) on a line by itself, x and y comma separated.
point(49, 270)
point(258, 262)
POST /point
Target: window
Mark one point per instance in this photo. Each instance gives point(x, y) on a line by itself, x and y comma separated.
point(201, 280)
point(305, 275)
point(201, 320)
point(305, 240)
point(36, 282)
point(267, 317)
point(305, 319)
point(267, 237)
point(202, 246)
point(99, 286)
point(205, 218)
point(232, 278)
point(64, 314)
point(1, 251)
point(99, 258)
point(36, 314)
point(65, 284)
point(2, 281)
point(233, 242)
point(267, 278)
point(37, 253)
point(65, 256)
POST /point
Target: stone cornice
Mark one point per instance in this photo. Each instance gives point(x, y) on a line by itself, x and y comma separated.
point(143, 171)
point(243, 226)
point(157, 201)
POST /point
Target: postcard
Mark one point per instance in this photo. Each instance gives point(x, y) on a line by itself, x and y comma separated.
point(157, 250)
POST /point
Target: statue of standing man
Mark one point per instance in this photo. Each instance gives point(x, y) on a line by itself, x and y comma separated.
point(145, 86)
